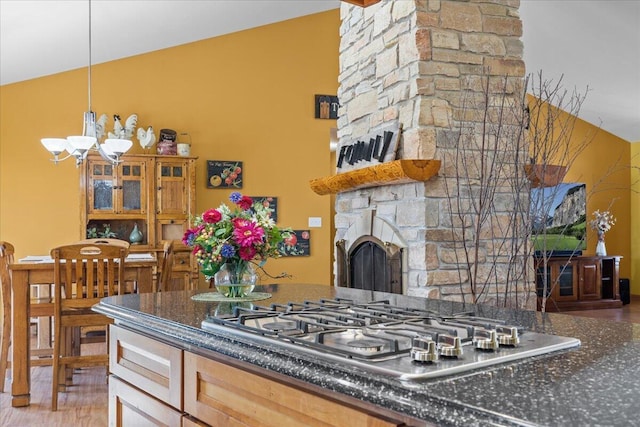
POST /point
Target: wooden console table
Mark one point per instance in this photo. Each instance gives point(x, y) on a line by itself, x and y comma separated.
point(579, 282)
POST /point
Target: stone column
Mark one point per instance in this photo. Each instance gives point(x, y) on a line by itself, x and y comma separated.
point(415, 61)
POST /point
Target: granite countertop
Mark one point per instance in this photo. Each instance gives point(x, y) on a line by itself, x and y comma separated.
point(597, 383)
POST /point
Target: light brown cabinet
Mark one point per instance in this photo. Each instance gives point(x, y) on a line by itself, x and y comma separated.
point(222, 395)
point(155, 194)
point(153, 383)
point(116, 189)
point(579, 283)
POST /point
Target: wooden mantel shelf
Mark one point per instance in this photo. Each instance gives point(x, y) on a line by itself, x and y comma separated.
point(395, 172)
point(362, 3)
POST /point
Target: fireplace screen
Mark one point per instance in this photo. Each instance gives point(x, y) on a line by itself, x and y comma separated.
point(370, 264)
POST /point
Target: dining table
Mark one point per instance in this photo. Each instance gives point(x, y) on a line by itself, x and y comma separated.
point(37, 270)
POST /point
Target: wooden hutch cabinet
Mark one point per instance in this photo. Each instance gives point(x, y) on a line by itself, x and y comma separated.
point(579, 282)
point(155, 194)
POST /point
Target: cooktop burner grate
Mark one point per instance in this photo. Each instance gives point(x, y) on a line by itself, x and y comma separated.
point(409, 343)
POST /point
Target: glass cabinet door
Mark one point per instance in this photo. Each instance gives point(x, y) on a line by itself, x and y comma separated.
point(566, 281)
point(117, 189)
point(131, 186)
point(102, 187)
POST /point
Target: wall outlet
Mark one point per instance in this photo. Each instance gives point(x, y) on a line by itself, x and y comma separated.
point(315, 221)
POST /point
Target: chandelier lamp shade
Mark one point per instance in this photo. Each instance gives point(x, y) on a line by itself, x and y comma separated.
point(79, 146)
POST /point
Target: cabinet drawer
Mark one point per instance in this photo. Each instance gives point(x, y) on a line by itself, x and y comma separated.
point(152, 366)
point(129, 406)
point(182, 261)
point(221, 395)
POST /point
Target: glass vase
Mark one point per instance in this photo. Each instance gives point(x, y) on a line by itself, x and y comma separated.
point(235, 279)
point(601, 249)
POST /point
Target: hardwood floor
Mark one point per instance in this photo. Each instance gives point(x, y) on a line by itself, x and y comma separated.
point(628, 313)
point(86, 403)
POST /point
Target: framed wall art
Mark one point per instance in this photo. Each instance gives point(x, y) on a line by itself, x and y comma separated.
point(224, 174)
point(559, 216)
point(299, 244)
point(326, 107)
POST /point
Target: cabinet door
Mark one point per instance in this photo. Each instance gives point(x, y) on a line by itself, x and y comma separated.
point(132, 194)
point(117, 189)
point(590, 283)
point(102, 187)
point(564, 281)
point(222, 395)
point(172, 196)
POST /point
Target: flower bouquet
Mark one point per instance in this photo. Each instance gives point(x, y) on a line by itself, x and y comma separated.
point(227, 241)
point(602, 223)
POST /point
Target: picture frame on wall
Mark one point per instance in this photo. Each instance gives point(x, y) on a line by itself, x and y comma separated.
point(224, 174)
point(268, 202)
point(326, 106)
point(299, 244)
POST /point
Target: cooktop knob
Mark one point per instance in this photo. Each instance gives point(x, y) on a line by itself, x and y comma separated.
point(508, 335)
point(451, 348)
point(424, 350)
point(484, 339)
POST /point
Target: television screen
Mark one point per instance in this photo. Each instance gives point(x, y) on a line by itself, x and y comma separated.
point(559, 216)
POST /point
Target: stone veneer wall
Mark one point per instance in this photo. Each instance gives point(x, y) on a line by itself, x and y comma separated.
point(410, 60)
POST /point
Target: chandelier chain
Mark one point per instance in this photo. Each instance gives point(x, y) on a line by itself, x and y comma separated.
point(89, 68)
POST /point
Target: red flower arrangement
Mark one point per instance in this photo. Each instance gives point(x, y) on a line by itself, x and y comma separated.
point(235, 236)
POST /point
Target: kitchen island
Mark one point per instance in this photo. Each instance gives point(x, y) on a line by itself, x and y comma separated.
point(594, 384)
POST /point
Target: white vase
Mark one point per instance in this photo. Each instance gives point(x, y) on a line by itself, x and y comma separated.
point(601, 249)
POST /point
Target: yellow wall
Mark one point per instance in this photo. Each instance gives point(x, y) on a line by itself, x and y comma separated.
point(634, 259)
point(604, 166)
point(246, 96)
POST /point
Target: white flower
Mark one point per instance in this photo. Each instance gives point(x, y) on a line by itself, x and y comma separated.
point(603, 221)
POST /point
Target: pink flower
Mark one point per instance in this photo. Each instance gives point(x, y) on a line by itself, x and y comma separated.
point(247, 253)
point(246, 232)
point(245, 202)
point(211, 216)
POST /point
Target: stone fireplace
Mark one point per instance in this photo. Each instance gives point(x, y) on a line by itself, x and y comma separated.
point(372, 255)
point(409, 61)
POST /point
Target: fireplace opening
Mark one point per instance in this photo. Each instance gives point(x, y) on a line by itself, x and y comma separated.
point(370, 264)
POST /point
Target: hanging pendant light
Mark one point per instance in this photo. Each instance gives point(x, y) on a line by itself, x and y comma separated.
point(80, 145)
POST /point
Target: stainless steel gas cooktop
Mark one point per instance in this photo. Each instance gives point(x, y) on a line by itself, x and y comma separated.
point(406, 343)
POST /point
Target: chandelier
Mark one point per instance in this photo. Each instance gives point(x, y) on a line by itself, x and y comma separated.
point(79, 146)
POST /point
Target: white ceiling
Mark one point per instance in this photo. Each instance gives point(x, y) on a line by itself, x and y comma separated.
point(593, 44)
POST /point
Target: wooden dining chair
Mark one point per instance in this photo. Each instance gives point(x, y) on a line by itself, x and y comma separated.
point(6, 258)
point(83, 274)
point(166, 267)
point(132, 287)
